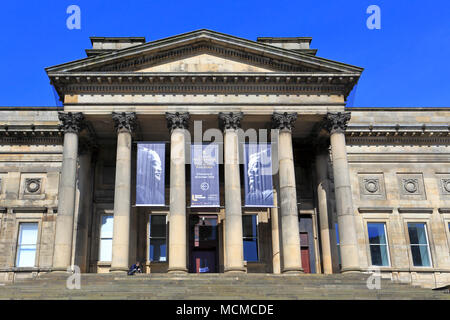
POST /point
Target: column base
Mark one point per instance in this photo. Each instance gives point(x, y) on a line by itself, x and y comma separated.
point(235, 270)
point(351, 270)
point(177, 270)
point(118, 270)
point(295, 271)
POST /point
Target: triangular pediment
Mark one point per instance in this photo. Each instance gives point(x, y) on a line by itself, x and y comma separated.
point(204, 51)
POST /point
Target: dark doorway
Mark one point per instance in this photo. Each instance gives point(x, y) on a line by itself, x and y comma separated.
point(203, 243)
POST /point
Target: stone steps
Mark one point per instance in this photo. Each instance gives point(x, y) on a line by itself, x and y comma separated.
point(213, 286)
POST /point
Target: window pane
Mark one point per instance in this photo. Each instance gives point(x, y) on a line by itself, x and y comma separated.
point(158, 226)
point(249, 226)
point(157, 250)
point(107, 228)
point(26, 257)
point(417, 233)
point(376, 233)
point(105, 249)
point(26, 247)
point(250, 250)
point(379, 254)
point(420, 256)
point(28, 233)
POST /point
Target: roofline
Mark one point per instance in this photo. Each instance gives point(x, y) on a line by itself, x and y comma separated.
point(117, 38)
point(255, 45)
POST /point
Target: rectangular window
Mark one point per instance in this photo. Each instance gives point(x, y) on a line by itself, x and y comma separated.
point(378, 244)
point(157, 238)
point(419, 244)
point(26, 246)
point(106, 235)
point(250, 237)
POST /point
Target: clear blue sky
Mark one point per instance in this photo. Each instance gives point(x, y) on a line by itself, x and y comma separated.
point(406, 62)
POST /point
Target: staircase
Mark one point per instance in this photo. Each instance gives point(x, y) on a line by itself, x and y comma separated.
point(213, 286)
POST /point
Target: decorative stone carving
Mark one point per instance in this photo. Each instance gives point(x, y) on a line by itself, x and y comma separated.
point(371, 186)
point(230, 120)
point(411, 185)
point(124, 121)
point(71, 122)
point(177, 120)
point(32, 185)
point(446, 185)
point(336, 122)
point(283, 121)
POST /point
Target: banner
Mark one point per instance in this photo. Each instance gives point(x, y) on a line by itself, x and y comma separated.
point(258, 175)
point(205, 175)
point(150, 174)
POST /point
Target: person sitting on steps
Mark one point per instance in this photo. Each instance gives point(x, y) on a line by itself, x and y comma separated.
point(135, 268)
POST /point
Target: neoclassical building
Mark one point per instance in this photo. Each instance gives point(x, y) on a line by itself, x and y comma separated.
point(350, 189)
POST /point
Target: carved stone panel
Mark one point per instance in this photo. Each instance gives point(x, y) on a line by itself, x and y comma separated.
point(371, 186)
point(444, 185)
point(32, 186)
point(411, 186)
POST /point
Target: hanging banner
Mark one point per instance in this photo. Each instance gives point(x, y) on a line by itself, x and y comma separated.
point(205, 175)
point(258, 175)
point(150, 174)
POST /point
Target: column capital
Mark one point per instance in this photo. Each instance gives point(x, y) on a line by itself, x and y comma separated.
point(124, 121)
point(283, 121)
point(177, 120)
point(230, 120)
point(336, 122)
point(71, 122)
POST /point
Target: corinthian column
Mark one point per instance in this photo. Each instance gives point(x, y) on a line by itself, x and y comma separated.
point(177, 124)
point(71, 124)
point(336, 124)
point(290, 234)
point(234, 246)
point(124, 123)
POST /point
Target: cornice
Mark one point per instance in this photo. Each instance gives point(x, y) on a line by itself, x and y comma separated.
point(293, 83)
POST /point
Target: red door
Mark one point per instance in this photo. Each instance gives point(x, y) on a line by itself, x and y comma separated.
point(304, 251)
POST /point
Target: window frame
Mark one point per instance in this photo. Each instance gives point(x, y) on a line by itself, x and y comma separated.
point(149, 237)
point(256, 237)
point(36, 252)
point(385, 224)
point(430, 257)
point(100, 237)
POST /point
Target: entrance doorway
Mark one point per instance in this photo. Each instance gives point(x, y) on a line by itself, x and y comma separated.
point(203, 244)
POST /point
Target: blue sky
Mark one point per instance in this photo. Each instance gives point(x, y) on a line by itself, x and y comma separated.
point(406, 62)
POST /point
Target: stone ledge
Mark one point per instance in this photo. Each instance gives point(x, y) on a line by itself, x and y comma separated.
point(444, 210)
point(415, 210)
point(375, 209)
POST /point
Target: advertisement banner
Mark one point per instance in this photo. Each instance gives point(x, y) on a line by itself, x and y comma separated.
point(205, 175)
point(258, 175)
point(150, 179)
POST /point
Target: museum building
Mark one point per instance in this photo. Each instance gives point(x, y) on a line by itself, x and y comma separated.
point(295, 181)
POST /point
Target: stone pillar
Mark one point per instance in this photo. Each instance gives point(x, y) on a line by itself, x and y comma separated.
point(124, 124)
point(336, 124)
point(177, 124)
point(274, 218)
point(290, 233)
point(234, 262)
point(83, 204)
point(71, 123)
point(327, 237)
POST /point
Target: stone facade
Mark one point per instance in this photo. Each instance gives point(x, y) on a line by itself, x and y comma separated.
point(338, 168)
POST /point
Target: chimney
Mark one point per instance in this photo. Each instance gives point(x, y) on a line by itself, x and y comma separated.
point(298, 44)
point(101, 45)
